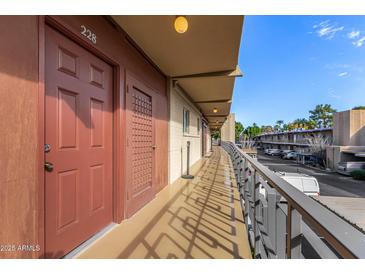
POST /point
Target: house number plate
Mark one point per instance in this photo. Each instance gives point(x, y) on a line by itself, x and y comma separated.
point(88, 34)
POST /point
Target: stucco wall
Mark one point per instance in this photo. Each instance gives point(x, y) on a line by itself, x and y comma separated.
point(228, 129)
point(19, 132)
point(349, 128)
point(178, 139)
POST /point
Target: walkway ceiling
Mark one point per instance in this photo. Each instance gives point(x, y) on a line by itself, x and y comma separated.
point(202, 61)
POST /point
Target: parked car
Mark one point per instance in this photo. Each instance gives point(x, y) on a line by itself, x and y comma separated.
point(308, 159)
point(284, 152)
point(305, 183)
point(274, 152)
point(292, 155)
point(345, 168)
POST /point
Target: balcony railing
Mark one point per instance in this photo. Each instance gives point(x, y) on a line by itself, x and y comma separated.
point(285, 223)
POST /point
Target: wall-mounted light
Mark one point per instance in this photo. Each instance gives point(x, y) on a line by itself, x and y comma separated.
point(181, 24)
point(215, 110)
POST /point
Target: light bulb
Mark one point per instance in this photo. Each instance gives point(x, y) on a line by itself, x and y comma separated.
point(181, 24)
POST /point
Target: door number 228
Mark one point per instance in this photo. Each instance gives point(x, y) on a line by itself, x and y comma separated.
point(88, 34)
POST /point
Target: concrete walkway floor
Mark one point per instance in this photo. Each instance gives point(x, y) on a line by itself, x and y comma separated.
point(199, 218)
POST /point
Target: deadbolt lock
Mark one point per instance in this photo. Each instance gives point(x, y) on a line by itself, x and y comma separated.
point(47, 148)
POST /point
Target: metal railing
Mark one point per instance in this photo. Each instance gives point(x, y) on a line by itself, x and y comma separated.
point(285, 223)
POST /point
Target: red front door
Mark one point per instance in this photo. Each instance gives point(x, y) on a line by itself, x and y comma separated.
point(78, 114)
point(140, 145)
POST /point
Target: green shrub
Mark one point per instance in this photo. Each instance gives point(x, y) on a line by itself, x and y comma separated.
point(358, 174)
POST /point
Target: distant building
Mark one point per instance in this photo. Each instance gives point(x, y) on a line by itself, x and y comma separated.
point(348, 138)
point(228, 129)
point(298, 140)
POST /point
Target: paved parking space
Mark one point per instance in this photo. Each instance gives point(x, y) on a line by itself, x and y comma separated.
point(330, 183)
point(340, 193)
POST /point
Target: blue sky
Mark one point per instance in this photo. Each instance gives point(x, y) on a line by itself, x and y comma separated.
point(293, 63)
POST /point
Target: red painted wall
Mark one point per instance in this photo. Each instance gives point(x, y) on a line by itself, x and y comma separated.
point(21, 122)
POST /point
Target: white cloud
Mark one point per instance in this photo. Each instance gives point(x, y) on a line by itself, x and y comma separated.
point(358, 43)
point(353, 34)
point(343, 74)
point(327, 30)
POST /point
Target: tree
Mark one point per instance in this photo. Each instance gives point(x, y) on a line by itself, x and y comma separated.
point(317, 146)
point(285, 127)
point(252, 131)
point(358, 108)
point(300, 123)
point(278, 125)
point(311, 124)
point(322, 115)
point(238, 130)
point(267, 129)
point(216, 134)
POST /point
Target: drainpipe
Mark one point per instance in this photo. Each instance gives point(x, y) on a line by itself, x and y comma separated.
point(187, 175)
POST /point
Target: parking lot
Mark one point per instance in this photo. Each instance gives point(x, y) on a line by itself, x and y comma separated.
point(340, 193)
point(330, 183)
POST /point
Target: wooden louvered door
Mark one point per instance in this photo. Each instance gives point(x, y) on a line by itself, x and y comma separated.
point(78, 122)
point(140, 145)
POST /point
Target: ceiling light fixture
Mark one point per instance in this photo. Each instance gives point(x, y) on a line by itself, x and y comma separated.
point(181, 24)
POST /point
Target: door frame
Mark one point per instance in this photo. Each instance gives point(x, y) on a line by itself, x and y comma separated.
point(119, 135)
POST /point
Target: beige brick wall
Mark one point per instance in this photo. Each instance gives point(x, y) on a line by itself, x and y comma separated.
point(178, 139)
point(228, 129)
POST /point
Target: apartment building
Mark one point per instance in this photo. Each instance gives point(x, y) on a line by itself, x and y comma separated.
point(96, 115)
point(298, 140)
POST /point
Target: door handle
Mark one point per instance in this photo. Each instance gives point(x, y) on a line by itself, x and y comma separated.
point(48, 166)
point(153, 146)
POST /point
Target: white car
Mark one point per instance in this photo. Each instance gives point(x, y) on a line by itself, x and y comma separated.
point(305, 183)
point(274, 152)
point(290, 155)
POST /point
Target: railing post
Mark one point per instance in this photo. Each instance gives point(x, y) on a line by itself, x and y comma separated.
point(293, 240)
point(280, 233)
point(256, 213)
point(271, 218)
point(246, 199)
